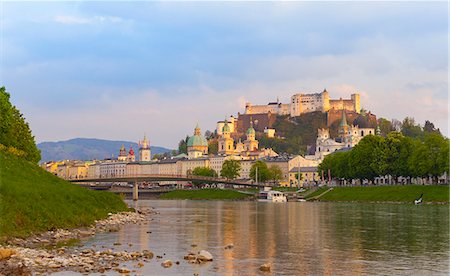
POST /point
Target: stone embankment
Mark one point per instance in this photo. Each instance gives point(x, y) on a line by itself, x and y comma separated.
point(44, 253)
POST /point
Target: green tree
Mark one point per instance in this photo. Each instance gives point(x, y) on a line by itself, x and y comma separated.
point(385, 126)
point(429, 127)
point(431, 156)
point(204, 171)
point(231, 169)
point(213, 146)
point(411, 129)
point(276, 174)
point(263, 171)
point(14, 130)
point(367, 158)
point(182, 145)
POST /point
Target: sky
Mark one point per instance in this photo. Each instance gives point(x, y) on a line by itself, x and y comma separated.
point(119, 70)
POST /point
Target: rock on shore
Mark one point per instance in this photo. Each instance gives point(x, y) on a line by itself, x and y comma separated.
point(26, 256)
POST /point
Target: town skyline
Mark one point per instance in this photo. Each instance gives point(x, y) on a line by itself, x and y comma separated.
point(122, 70)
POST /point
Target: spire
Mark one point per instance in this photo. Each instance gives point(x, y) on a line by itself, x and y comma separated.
point(197, 130)
point(343, 119)
point(144, 143)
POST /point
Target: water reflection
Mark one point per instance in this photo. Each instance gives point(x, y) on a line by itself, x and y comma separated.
point(297, 238)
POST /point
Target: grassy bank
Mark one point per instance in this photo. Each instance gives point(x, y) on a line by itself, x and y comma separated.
point(33, 200)
point(434, 193)
point(202, 194)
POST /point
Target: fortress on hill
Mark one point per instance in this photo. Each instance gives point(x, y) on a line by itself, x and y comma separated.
point(305, 103)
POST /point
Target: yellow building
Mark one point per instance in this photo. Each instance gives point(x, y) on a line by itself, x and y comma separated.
point(251, 144)
point(309, 176)
point(226, 143)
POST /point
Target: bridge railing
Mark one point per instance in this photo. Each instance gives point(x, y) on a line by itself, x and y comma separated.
point(167, 177)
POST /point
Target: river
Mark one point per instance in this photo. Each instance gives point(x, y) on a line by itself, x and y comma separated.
point(298, 238)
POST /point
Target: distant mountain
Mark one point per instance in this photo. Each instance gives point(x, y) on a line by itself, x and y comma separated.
point(88, 149)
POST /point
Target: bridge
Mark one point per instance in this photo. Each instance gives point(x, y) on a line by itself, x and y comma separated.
point(165, 177)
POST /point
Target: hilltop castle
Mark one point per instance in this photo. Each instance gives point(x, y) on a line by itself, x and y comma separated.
point(305, 103)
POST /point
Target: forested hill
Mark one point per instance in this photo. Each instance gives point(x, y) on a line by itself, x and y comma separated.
point(88, 149)
point(300, 132)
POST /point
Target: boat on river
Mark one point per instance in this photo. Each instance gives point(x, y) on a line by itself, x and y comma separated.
point(271, 196)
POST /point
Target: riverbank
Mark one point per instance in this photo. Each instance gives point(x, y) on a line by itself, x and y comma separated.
point(54, 250)
point(432, 194)
point(33, 201)
point(207, 194)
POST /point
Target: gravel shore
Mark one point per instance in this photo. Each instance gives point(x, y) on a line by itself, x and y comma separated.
point(43, 253)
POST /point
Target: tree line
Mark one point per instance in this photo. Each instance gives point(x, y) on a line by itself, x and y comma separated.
point(15, 133)
point(231, 169)
point(396, 155)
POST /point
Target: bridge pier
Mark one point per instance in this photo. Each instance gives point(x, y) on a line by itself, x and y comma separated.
point(135, 191)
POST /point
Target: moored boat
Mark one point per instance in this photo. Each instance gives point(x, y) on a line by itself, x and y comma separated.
point(271, 196)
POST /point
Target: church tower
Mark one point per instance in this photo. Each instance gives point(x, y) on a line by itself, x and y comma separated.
point(344, 130)
point(251, 144)
point(226, 143)
point(122, 154)
point(131, 157)
point(144, 150)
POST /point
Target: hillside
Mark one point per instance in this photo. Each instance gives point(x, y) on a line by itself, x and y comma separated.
point(300, 132)
point(87, 149)
point(34, 200)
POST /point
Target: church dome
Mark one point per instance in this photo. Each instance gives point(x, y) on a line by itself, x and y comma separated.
point(197, 140)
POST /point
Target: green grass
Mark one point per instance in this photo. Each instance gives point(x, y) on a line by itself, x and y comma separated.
point(33, 200)
point(317, 192)
point(202, 194)
point(407, 193)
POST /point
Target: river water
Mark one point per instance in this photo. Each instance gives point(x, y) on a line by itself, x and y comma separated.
point(297, 238)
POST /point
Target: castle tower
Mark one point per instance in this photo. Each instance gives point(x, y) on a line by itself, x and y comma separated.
point(122, 154)
point(144, 150)
point(131, 157)
point(251, 143)
point(226, 143)
point(325, 101)
point(356, 102)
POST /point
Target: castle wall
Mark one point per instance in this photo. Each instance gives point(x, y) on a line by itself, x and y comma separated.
point(275, 108)
point(305, 103)
point(260, 121)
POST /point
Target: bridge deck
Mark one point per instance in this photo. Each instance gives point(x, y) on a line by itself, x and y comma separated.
point(163, 177)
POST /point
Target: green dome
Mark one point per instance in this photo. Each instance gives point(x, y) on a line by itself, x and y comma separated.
point(226, 128)
point(250, 130)
point(197, 140)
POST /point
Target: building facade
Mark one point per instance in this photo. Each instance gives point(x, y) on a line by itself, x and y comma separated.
point(304, 103)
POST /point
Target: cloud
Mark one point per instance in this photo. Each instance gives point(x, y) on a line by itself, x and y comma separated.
point(77, 20)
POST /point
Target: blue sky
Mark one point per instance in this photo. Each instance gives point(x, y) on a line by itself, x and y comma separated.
point(117, 70)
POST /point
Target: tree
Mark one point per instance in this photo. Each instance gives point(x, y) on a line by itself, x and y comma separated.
point(429, 127)
point(182, 146)
point(411, 129)
point(263, 171)
point(14, 130)
point(276, 173)
point(204, 171)
point(213, 146)
point(385, 126)
point(367, 158)
point(430, 157)
point(231, 169)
